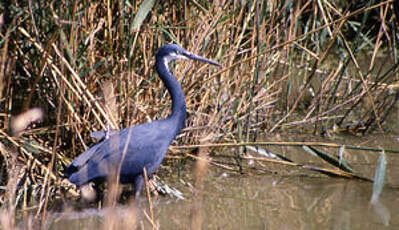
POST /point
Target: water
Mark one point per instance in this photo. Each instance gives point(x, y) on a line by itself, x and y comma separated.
point(292, 199)
point(285, 203)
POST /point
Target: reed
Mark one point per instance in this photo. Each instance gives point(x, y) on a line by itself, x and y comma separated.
point(307, 65)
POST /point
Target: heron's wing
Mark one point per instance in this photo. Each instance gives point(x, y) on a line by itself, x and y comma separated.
point(137, 147)
point(95, 153)
point(84, 157)
point(129, 151)
point(112, 145)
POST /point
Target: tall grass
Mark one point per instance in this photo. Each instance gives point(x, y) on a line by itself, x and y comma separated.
point(309, 65)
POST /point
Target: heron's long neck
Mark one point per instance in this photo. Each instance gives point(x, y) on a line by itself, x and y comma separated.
point(178, 103)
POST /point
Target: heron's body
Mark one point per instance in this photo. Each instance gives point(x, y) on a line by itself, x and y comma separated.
point(132, 149)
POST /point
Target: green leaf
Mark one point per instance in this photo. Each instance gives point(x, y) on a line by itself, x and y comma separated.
point(379, 178)
point(142, 13)
point(339, 163)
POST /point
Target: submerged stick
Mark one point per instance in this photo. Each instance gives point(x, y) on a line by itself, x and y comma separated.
point(287, 143)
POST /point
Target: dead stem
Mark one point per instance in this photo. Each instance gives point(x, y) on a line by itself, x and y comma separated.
point(147, 188)
point(200, 168)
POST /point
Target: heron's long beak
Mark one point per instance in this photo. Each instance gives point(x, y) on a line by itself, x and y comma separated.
point(199, 58)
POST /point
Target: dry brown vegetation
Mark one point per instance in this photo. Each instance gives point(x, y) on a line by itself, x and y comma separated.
point(287, 65)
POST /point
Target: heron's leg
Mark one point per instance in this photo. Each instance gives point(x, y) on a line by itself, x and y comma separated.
point(138, 184)
point(99, 192)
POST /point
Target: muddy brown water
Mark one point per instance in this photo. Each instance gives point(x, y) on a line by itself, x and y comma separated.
point(294, 199)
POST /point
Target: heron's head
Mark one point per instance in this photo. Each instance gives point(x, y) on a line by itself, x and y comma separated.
point(171, 52)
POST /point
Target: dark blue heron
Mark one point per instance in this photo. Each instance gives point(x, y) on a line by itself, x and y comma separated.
point(127, 152)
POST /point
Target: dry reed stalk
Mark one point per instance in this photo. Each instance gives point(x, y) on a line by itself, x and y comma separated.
point(52, 161)
point(111, 219)
point(11, 191)
point(200, 169)
point(110, 103)
point(147, 189)
point(6, 220)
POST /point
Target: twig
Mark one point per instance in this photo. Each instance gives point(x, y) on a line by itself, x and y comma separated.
point(286, 143)
point(147, 188)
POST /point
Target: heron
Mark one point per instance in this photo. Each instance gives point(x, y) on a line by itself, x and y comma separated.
point(131, 150)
